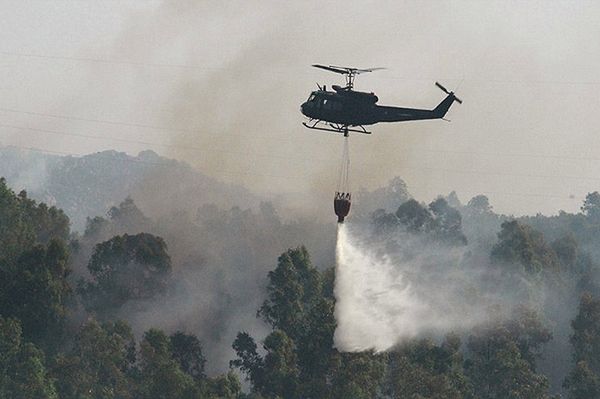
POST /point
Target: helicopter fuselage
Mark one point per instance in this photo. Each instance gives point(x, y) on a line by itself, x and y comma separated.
point(353, 108)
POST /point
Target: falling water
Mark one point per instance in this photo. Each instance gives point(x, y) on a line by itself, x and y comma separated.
point(382, 300)
point(374, 306)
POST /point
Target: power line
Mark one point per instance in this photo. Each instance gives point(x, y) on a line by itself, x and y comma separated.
point(218, 68)
point(287, 158)
point(120, 123)
point(109, 61)
point(109, 122)
point(254, 136)
point(149, 143)
point(286, 177)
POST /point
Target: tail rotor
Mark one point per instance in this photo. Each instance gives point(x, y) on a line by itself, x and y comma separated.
point(442, 88)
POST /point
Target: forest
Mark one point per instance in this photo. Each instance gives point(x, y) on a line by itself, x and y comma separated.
point(205, 300)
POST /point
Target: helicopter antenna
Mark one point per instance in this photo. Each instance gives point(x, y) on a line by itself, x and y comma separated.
point(349, 72)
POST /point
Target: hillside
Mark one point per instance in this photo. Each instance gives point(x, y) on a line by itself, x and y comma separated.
point(89, 185)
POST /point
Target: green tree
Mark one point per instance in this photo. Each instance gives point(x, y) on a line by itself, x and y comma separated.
point(357, 375)
point(99, 365)
point(37, 292)
point(480, 204)
point(225, 386)
point(422, 369)
point(22, 370)
point(124, 268)
point(187, 351)
point(160, 374)
point(383, 222)
point(497, 368)
point(528, 331)
point(280, 367)
point(586, 333)
point(520, 244)
point(414, 216)
point(299, 359)
point(292, 289)
point(567, 250)
point(24, 223)
point(248, 360)
point(582, 382)
point(448, 222)
point(591, 206)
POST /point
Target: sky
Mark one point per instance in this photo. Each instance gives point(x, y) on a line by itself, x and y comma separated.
point(219, 84)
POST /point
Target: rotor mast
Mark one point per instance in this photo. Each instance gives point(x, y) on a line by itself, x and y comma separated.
point(348, 72)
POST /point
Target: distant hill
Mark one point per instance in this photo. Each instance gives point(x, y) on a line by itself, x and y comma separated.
point(88, 186)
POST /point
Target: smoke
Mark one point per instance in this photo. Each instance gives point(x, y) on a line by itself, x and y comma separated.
point(392, 290)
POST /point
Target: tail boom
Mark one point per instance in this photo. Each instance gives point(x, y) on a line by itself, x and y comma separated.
point(396, 114)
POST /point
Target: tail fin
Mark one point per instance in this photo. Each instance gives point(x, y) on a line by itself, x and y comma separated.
point(443, 107)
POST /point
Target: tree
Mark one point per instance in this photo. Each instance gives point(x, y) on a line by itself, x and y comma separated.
point(160, 374)
point(124, 268)
point(315, 349)
point(498, 369)
point(187, 351)
point(37, 292)
point(582, 382)
point(280, 367)
point(529, 333)
point(24, 223)
point(448, 222)
point(292, 288)
point(100, 364)
point(414, 216)
point(225, 386)
point(567, 250)
point(591, 206)
point(128, 215)
point(521, 244)
point(586, 333)
point(383, 222)
point(356, 375)
point(480, 204)
point(22, 370)
point(248, 360)
point(423, 369)
point(387, 198)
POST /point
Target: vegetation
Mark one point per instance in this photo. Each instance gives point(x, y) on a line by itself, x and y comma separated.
point(73, 308)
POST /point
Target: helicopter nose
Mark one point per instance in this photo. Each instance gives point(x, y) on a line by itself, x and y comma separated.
point(306, 108)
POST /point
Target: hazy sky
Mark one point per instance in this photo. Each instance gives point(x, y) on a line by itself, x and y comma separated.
point(219, 84)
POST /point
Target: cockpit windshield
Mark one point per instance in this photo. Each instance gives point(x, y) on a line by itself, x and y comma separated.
point(311, 97)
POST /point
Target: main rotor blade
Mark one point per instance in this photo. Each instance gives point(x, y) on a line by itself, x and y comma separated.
point(356, 71)
point(332, 69)
point(345, 70)
point(368, 70)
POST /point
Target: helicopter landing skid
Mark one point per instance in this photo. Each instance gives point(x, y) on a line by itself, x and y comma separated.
point(344, 129)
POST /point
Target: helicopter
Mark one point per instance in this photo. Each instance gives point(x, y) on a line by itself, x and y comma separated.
point(344, 110)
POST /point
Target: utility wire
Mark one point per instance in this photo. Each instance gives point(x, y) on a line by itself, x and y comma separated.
point(284, 177)
point(299, 68)
point(302, 158)
point(254, 136)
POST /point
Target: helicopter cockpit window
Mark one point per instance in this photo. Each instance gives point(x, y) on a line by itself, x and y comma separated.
point(311, 98)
